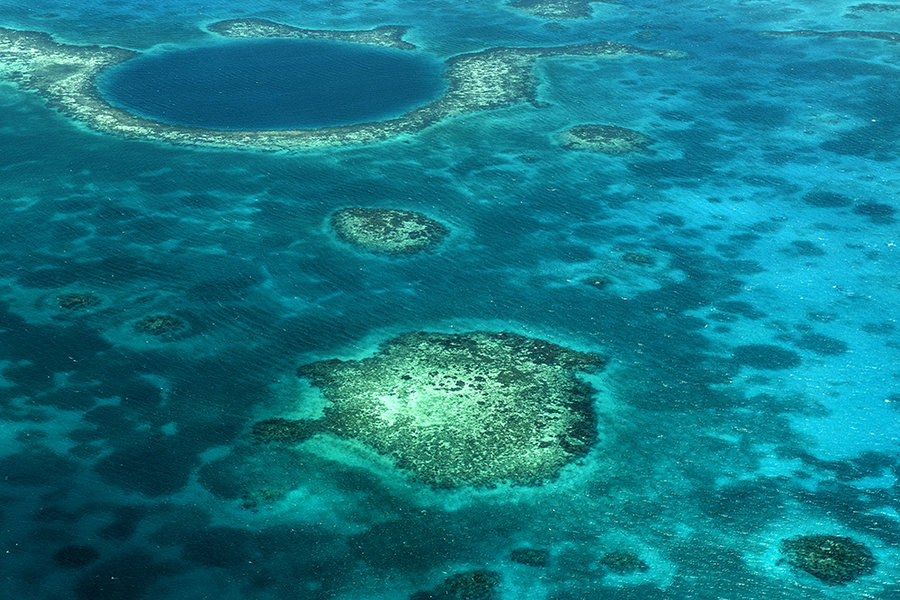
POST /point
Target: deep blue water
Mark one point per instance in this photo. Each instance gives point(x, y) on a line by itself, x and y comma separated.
point(274, 84)
point(741, 276)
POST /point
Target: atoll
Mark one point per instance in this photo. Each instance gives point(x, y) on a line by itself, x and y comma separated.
point(832, 558)
point(159, 325)
point(452, 410)
point(77, 301)
point(623, 562)
point(471, 585)
point(387, 230)
point(532, 557)
point(66, 76)
point(604, 139)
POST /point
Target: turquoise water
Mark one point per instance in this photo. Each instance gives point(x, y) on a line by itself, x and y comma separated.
point(273, 84)
point(752, 390)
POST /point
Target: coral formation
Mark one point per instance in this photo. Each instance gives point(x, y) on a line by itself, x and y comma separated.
point(623, 562)
point(470, 585)
point(832, 558)
point(766, 356)
point(159, 324)
point(887, 36)
point(77, 301)
point(284, 431)
point(875, 7)
point(387, 230)
point(66, 76)
point(823, 199)
point(605, 139)
point(464, 409)
point(533, 557)
point(388, 36)
point(639, 258)
point(555, 9)
point(254, 475)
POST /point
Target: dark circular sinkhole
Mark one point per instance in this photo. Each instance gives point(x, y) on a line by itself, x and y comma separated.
point(274, 84)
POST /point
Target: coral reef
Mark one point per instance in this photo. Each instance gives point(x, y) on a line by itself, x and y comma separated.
point(282, 431)
point(639, 258)
point(77, 301)
point(832, 558)
point(66, 76)
point(555, 9)
point(533, 557)
point(887, 36)
point(623, 562)
point(159, 325)
point(476, 408)
point(471, 585)
point(766, 356)
point(388, 36)
point(604, 139)
point(875, 7)
point(387, 230)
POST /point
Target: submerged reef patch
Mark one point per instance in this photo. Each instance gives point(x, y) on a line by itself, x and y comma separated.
point(832, 558)
point(556, 9)
point(623, 562)
point(605, 139)
point(160, 325)
point(766, 356)
point(887, 36)
point(480, 584)
point(76, 301)
point(532, 557)
point(387, 230)
point(388, 36)
point(66, 76)
point(476, 408)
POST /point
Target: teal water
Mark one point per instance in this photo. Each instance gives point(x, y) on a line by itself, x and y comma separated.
point(273, 84)
point(752, 381)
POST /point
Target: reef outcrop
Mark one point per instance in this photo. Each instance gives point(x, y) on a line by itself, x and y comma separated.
point(555, 9)
point(887, 36)
point(66, 76)
point(832, 558)
point(388, 36)
point(604, 139)
point(476, 408)
point(387, 231)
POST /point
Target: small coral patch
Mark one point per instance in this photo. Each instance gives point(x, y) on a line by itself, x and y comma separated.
point(387, 231)
point(832, 558)
point(605, 139)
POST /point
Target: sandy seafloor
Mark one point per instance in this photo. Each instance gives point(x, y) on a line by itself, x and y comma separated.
point(104, 432)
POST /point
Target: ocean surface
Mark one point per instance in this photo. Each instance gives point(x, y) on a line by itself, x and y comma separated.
point(740, 276)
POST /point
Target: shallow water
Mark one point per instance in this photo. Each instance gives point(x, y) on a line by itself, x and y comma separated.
point(740, 276)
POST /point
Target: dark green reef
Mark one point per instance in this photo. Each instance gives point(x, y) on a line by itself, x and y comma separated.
point(66, 76)
point(476, 408)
